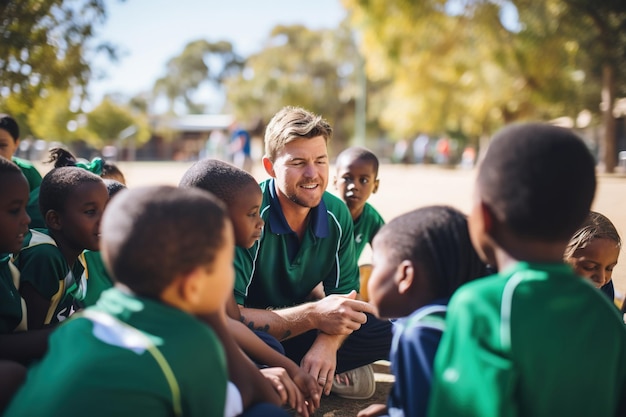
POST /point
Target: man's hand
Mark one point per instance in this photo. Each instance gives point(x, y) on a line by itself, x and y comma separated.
point(321, 360)
point(341, 314)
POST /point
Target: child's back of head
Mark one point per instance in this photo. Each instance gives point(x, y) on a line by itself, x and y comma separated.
point(435, 240)
point(153, 235)
point(539, 180)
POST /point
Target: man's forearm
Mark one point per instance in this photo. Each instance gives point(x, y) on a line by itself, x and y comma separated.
point(282, 324)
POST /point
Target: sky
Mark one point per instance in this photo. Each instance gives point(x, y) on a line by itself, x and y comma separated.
point(150, 32)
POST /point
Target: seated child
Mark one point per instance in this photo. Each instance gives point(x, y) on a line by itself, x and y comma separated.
point(71, 201)
point(535, 339)
point(141, 350)
point(419, 260)
point(13, 226)
point(97, 277)
point(593, 251)
point(64, 158)
point(9, 142)
point(242, 195)
point(356, 178)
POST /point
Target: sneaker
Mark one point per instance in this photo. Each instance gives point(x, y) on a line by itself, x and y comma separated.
point(361, 384)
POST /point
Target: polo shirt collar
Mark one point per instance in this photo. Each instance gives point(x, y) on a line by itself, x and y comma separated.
point(279, 225)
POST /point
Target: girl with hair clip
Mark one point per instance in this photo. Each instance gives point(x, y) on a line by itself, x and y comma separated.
point(594, 250)
point(71, 202)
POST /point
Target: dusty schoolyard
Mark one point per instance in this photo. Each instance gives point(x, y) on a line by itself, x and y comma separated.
point(403, 188)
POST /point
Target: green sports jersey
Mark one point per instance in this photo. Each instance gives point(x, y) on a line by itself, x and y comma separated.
point(98, 278)
point(12, 307)
point(30, 172)
point(366, 227)
point(42, 265)
point(32, 208)
point(535, 340)
point(127, 356)
point(280, 271)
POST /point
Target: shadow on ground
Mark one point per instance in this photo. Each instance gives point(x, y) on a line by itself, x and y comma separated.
point(333, 406)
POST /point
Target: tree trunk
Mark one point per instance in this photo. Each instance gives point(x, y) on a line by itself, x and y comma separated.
point(608, 146)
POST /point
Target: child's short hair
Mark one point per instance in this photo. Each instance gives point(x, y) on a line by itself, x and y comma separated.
point(218, 177)
point(152, 235)
point(113, 186)
point(595, 226)
point(358, 153)
point(293, 123)
point(10, 125)
point(8, 167)
point(436, 237)
point(112, 171)
point(539, 180)
point(59, 183)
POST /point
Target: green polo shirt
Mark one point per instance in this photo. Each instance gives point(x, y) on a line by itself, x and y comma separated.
point(30, 172)
point(366, 227)
point(98, 279)
point(280, 271)
point(534, 340)
point(42, 265)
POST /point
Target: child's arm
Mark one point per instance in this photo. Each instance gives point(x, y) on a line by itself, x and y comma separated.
point(24, 347)
point(252, 386)
point(262, 353)
point(36, 305)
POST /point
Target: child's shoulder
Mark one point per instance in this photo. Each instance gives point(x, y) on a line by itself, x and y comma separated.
point(370, 212)
point(38, 245)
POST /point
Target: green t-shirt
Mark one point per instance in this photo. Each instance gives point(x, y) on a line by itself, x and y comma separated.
point(42, 265)
point(535, 340)
point(366, 227)
point(127, 356)
point(98, 278)
point(11, 306)
point(30, 172)
point(280, 271)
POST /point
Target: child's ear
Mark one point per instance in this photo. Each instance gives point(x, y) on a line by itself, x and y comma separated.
point(335, 181)
point(53, 220)
point(191, 286)
point(487, 217)
point(376, 183)
point(269, 167)
point(405, 274)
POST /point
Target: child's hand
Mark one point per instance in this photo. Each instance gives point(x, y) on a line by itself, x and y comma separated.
point(307, 385)
point(287, 390)
point(373, 410)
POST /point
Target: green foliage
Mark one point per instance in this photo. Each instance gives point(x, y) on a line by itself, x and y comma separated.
point(45, 44)
point(300, 67)
point(454, 66)
point(200, 62)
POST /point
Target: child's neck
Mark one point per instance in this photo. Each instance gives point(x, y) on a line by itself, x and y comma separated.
point(529, 251)
point(70, 254)
point(356, 213)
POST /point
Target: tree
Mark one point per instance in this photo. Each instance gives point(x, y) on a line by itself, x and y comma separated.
point(108, 120)
point(597, 30)
point(46, 43)
point(51, 117)
point(200, 62)
point(456, 70)
point(300, 67)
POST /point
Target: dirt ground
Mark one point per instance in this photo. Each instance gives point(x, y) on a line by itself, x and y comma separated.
point(403, 188)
